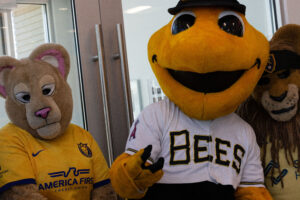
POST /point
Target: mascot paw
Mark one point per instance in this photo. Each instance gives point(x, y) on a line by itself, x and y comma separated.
point(144, 174)
point(131, 175)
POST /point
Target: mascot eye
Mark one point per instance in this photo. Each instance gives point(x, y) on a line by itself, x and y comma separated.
point(232, 23)
point(284, 74)
point(48, 89)
point(182, 22)
point(23, 97)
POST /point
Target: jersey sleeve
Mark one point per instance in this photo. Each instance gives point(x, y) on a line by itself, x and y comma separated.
point(146, 130)
point(15, 165)
point(253, 172)
point(100, 168)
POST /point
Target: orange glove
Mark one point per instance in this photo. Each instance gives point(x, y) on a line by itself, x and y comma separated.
point(131, 176)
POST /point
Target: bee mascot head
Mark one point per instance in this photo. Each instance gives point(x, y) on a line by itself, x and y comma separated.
point(273, 109)
point(208, 58)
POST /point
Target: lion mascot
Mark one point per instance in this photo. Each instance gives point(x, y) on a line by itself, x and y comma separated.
point(273, 112)
point(42, 155)
point(207, 60)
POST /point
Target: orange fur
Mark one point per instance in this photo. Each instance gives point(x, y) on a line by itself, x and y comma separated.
point(252, 193)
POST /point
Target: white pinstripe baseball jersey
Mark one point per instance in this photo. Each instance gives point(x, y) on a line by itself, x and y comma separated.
point(223, 150)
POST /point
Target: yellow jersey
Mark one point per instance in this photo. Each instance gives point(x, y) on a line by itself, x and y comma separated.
point(67, 168)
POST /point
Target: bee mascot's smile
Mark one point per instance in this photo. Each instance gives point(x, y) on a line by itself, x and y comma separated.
point(207, 60)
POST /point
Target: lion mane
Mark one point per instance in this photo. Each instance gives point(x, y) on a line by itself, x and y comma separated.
point(281, 135)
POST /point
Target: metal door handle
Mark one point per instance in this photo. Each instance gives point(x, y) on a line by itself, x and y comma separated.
point(100, 59)
point(125, 76)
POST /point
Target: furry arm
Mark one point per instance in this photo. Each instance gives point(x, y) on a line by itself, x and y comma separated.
point(252, 193)
point(131, 178)
point(105, 192)
point(22, 192)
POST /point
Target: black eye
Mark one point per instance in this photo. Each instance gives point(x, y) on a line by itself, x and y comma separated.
point(183, 21)
point(48, 89)
point(264, 81)
point(23, 97)
point(232, 23)
point(284, 74)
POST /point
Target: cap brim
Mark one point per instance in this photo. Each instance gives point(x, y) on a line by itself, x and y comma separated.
point(237, 7)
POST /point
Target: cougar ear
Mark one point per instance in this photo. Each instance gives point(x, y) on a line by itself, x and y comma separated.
point(54, 54)
point(6, 65)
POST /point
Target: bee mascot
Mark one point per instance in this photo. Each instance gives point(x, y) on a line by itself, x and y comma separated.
point(207, 60)
point(273, 112)
point(42, 155)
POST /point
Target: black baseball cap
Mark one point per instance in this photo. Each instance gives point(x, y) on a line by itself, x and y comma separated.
point(233, 4)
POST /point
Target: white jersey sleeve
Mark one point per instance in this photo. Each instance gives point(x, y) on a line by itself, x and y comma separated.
point(147, 130)
point(253, 172)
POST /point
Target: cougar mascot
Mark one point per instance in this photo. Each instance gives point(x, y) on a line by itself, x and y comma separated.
point(273, 112)
point(42, 155)
point(207, 60)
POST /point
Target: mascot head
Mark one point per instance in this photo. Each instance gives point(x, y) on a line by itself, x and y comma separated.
point(278, 89)
point(208, 58)
point(37, 96)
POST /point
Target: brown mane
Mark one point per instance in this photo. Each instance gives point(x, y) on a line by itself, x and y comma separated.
point(282, 135)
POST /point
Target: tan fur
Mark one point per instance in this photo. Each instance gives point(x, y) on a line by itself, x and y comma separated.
point(22, 192)
point(286, 38)
point(32, 75)
point(104, 193)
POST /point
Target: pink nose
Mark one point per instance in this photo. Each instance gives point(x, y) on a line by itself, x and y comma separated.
point(43, 113)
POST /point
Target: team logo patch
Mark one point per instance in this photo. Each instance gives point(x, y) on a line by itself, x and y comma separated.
point(72, 170)
point(72, 179)
point(132, 135)
point(85, 150)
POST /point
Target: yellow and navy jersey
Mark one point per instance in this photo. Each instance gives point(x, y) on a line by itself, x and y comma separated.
point(288, 173)
point(67, 168)
point(222, 151)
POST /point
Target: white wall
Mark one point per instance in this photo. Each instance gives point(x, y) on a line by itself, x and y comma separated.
point(290, 10)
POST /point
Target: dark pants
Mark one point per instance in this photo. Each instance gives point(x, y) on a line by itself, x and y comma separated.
point(198, 191)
